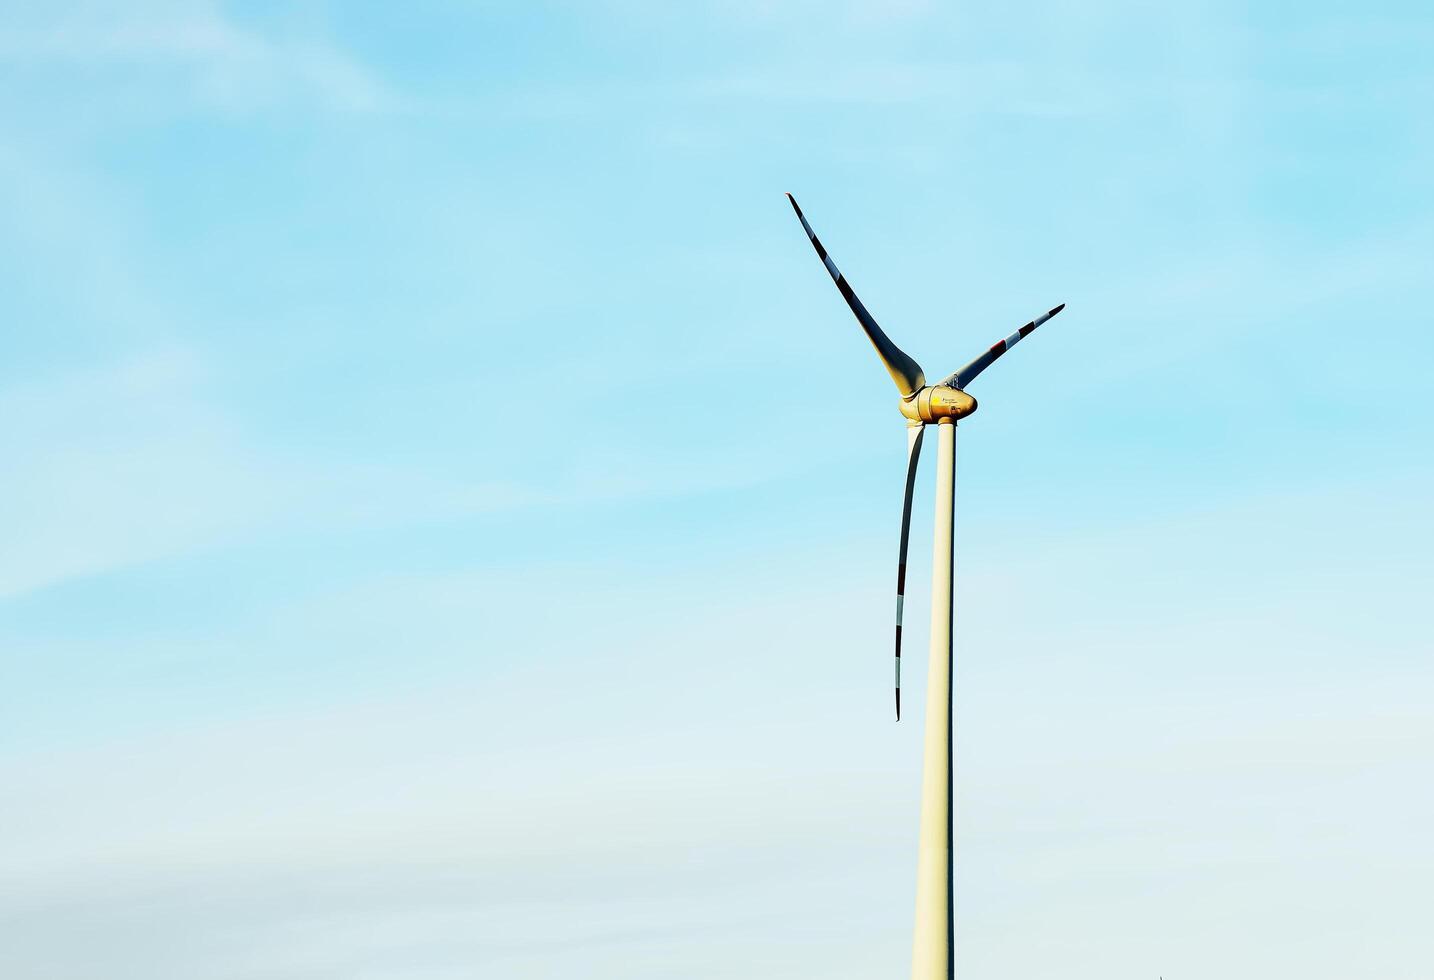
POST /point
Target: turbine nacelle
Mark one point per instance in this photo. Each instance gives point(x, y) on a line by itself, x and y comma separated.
point(938, 403)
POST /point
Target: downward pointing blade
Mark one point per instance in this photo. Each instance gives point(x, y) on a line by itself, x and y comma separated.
point(968, 373)
point(914, 433)
point(903, 370)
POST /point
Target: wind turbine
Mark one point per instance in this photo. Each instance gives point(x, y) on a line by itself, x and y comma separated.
point(941, 405)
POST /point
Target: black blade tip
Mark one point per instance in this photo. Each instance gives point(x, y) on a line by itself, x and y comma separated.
point(795, 207)
point(1057, 309)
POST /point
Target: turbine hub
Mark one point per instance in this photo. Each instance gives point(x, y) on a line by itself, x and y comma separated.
point(936, 402)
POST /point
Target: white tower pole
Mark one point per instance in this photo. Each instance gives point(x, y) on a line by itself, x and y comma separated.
point(932, 946)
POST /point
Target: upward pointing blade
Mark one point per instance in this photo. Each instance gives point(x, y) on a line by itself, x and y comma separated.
point(903, 370)
point(968, 373)
point(914, 433)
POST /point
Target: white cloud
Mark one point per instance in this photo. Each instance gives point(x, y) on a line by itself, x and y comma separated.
point(122, 463)
point(220, 63)
point(133, 461)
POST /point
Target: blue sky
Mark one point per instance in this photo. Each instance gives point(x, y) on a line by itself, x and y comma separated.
point(450, 516)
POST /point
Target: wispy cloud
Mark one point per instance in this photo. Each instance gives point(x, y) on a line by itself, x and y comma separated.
point(858, 12)
point(132, 461)
point(122, 463)
point(215, 61)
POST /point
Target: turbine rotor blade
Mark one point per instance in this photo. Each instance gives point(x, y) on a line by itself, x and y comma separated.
point(968, 373)
point(914, 433)
point(904, 371)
